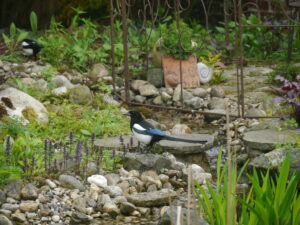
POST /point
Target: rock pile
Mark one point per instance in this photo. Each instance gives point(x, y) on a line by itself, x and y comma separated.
point(123, 195)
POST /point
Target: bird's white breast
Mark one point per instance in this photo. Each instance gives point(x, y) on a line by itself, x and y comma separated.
point(141, 137)
point(28, 51)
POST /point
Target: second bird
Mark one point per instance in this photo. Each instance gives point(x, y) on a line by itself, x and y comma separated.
point(31, 47)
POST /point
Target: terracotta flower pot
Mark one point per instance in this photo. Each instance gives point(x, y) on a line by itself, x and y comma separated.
point(171, 68)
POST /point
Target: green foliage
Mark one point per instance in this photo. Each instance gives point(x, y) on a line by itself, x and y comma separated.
point(14, 38)
point(170, 40)
point(214, 62)
point(216, 210)
point(73, 47)
point(33, 23)
point(272, 201)
point(269, 201)
point(24, 146)
point(290, 73)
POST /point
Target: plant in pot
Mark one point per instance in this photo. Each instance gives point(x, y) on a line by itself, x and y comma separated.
point(167, 48)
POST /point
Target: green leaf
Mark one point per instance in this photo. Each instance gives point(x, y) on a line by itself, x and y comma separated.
point(85, 132)
point(22, 36)
point(33, 23)
point(12, 30)
point(7, 40)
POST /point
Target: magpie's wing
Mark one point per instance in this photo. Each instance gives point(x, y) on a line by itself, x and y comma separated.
point(146, 128)
point(151, 131)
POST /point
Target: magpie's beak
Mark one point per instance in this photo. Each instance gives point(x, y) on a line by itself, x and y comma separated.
point(126, 113)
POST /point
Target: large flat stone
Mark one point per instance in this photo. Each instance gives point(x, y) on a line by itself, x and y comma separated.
point(274, 158)
point(265, 140)
point(174, 147)
point(144, 162)
point(149, 199)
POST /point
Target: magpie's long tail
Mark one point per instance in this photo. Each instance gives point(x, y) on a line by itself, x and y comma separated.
point(169, 138)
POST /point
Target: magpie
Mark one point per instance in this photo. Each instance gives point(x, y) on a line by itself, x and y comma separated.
point(31, 47)
point(145, 133)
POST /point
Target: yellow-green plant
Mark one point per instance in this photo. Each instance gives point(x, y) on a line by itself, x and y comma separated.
point(214, 61)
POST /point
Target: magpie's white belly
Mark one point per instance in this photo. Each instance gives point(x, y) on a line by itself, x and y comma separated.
point(28, 51)
point(142, 138)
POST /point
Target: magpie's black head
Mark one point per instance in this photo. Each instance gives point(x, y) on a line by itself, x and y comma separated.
point(135, 116)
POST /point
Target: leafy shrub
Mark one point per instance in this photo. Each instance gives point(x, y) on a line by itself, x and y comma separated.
point(215, 63)
point(170, 39)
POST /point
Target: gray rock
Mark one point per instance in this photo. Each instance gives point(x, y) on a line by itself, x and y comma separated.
point(55, 218)
point(80, 204)
point(155, 77)
point(217, 92)
point(200, 92)
point(10, 207)
point(217, 103)
point(98, 71)
point(13, 189)
point(148, 90)
point(165, 96)
point(131, 95)
point(126, 208)
point(265, 140)
point(272, 123)
point(195, 102)
point(273, 159)
point(148, 161)
point(41, 84)
point(136, 84)
point(150, 199)
point(29, 206)
point(180, 129)
point(61, 81)
point(214, 114)
point(157, 100)
point(151, 188)
point(80, 218)
point(255, 112)
point(112, 178)
point(119, 199)
point(59, 91)
point(166, 217)
point(110, 100)
point(5, 221)
point(103, 198)
point(113, 191)
point(80, 95)
point(70, 182)
point(22, 101)
point(91, 168)
point(270, 105)
point(91, 202)
point(29, 192)
point(2, 197)
point(18, 216)
point(111, 209)
point(139, 98)
point(177, 94)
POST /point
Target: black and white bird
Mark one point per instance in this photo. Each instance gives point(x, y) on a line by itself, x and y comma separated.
point(31, 47)
point(145, 133)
